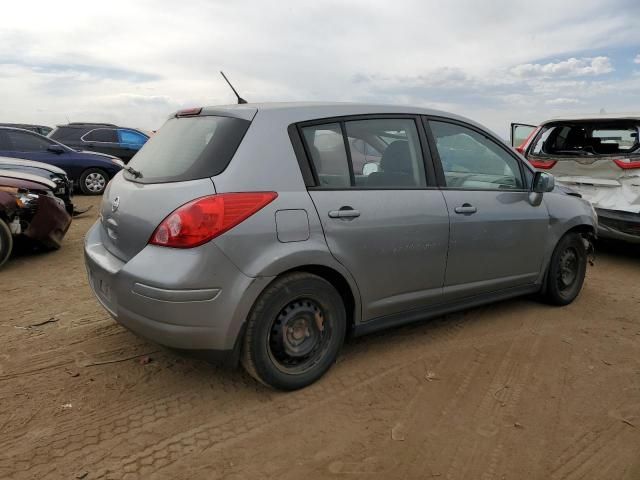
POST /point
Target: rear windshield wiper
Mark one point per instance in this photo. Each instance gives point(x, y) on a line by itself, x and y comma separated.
point(133, 171)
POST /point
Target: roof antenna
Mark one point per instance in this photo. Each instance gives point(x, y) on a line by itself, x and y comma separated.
point(240, 99)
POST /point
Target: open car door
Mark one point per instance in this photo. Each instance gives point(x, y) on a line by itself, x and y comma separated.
point(520, 132)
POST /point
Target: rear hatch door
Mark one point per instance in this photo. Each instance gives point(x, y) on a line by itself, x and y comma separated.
point(174, 167)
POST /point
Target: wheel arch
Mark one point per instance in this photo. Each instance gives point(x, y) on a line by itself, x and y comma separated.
point(350, 298)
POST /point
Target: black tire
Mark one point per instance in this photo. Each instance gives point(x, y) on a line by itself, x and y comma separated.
point(294, 331)
point(566, 271)
point(93, 181)
point(6, 242)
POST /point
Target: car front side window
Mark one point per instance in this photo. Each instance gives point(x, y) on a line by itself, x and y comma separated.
point(102, 135)
point(26, 142)
point(472, 161)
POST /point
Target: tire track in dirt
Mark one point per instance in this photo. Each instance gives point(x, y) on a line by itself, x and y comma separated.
point(214, 435)
point(509, 373)
point(106, 427)
point(587, 455)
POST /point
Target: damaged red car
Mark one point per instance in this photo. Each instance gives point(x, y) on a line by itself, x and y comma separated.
point(30, 212)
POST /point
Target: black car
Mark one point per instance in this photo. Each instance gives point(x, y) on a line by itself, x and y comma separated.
point(91, 171)
point(121, 142)
point(41, 129)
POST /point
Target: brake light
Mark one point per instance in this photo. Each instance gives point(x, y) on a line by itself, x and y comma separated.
point(187, 112)
point(627, 163)
point(543, 164)
point(205, 218)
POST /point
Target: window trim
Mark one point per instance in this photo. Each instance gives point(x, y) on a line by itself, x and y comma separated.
point(442, 183)
point(310, 175)
point(115, 130)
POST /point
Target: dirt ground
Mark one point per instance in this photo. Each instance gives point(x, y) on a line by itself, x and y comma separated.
point(515, 390)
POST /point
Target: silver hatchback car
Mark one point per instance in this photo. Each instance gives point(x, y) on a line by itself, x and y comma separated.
point(245, 231)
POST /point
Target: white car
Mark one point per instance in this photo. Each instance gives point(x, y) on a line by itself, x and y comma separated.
point(598, 157)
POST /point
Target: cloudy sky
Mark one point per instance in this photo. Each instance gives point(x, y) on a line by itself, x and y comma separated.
point(134, 62)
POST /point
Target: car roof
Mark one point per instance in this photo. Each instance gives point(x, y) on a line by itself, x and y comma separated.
point(594, 117)
point(81, 125)
point(294, 112)
point(20, 125)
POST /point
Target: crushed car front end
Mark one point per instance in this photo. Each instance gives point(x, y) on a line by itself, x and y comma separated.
point(32, 212)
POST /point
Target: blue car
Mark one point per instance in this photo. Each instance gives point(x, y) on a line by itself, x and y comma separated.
point(88, 170)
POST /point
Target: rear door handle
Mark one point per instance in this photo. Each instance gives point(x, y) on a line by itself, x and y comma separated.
point(466, 209)
point(344, 212)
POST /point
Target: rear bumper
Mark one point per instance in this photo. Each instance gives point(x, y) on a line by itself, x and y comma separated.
point(192, 299)
point(619, 225)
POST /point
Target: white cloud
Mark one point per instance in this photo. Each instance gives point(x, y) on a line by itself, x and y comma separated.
point(563, 101)
point(135, 62)
point(637, 59)
point(572, 67)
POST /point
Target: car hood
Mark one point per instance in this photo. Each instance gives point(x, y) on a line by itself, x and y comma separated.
point(28, 177)
point(30, 163)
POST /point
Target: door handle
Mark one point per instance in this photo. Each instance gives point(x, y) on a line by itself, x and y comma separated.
point(344, 212)
point(466, 209)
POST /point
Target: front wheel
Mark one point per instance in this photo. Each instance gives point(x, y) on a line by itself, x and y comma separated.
point(567, 270)
point(6, 242)
point(294, 331)
point(93, 181)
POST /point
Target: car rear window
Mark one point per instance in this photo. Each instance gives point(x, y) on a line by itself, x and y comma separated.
point(584, 138)
point(189, 148)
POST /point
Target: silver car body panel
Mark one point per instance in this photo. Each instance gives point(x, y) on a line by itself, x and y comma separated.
point(393, 257)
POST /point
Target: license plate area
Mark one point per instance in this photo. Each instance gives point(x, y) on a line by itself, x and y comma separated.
point(103, 289)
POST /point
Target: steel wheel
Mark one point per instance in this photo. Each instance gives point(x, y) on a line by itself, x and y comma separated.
point(294, 331)
point(568, 271)
point(298, 335)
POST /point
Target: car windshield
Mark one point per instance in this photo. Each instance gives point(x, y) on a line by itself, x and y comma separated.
point(583, 138)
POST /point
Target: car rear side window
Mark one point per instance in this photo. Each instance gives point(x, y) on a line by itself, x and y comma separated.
point(189, 148)
point(325, 144)
point(103, 135)
point(131, 138)
point(383, 153)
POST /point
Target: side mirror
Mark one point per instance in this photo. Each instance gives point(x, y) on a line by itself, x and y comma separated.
point(55, 149)
point(543, 182)
point(370, 168)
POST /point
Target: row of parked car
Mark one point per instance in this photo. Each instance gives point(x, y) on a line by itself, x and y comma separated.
point(39, 173)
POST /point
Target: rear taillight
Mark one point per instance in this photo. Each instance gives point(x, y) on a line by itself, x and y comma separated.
point(627, 163)
point(205, 218)
point(543, 164)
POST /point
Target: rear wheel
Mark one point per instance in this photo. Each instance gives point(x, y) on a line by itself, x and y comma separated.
point(6, 242)
point(567, 270)
point(294, 331)
point(93, 181)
